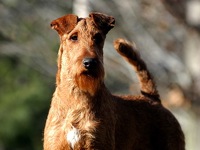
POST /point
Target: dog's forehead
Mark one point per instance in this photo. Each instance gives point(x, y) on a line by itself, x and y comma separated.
point(86, 24)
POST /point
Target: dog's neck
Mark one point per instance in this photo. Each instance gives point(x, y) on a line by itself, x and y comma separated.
point(70, 93)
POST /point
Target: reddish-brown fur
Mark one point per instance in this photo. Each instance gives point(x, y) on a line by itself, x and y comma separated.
point(81, 101)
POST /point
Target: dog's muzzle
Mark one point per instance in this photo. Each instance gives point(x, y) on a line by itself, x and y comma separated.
point(92, 66)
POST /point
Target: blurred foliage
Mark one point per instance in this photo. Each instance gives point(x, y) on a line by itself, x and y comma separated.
point(24, 96)
point(25, 87)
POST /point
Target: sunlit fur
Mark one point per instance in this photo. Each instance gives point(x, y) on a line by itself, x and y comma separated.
point(83, 108)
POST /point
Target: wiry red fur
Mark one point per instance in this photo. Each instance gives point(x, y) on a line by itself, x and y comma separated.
point(81, 101)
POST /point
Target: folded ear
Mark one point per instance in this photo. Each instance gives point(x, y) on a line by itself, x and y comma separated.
point(102, 21)
point(64, 24)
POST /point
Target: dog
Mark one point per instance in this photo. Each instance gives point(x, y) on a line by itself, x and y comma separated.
point(84, 115)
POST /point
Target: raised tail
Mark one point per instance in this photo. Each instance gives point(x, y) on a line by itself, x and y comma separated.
point(129, 52)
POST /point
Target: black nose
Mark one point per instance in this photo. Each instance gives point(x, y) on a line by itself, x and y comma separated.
point(89, 63)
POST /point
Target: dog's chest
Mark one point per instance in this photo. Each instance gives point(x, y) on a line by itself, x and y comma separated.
point(73, 136)
point(79, 127)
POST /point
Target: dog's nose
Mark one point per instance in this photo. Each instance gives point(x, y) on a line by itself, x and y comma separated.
point(89, 63)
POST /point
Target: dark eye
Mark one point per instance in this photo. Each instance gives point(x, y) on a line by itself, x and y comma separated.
point(74, 37)
point(98, 38)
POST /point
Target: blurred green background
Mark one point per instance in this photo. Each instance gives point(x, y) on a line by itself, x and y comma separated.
point(167, 33)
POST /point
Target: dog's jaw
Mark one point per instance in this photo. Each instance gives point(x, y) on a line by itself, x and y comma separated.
point(73, 136)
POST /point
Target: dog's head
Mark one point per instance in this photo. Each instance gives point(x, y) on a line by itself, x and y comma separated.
point(80, 55)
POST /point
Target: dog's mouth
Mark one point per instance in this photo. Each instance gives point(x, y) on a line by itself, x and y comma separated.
point(90, 73)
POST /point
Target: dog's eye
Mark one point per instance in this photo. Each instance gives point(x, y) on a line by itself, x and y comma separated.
point(74, 37)
point(98, 38)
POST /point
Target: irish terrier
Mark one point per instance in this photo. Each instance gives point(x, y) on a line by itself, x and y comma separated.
point(84, 115)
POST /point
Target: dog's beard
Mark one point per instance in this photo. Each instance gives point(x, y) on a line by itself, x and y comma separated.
point(90, 82)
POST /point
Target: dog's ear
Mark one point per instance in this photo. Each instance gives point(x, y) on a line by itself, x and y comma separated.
point(102, 21)
point(64, 24)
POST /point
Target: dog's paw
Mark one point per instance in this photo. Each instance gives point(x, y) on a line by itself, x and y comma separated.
point(125, 48)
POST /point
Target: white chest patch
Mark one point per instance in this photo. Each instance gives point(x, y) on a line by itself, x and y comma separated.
point(73, 136)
